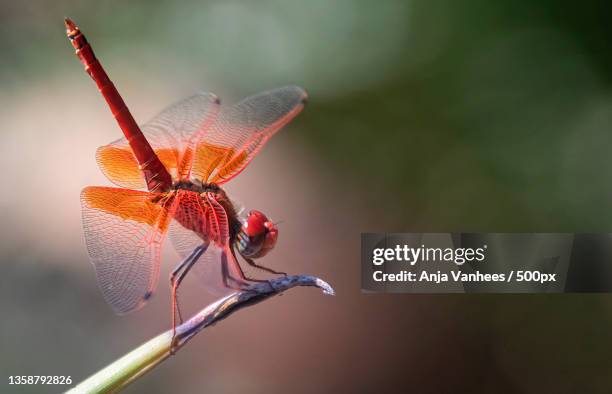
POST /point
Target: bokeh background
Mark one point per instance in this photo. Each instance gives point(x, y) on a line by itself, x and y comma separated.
point(423, 116)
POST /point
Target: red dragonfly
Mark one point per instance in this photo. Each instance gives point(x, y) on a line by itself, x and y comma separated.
point(182, 157)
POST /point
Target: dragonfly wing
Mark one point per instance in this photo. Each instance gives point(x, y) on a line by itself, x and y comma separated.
point(124, 230)
point(209, 272)
point(183, 240)
point(172, 134)
point(119, 165)
point(241, 130)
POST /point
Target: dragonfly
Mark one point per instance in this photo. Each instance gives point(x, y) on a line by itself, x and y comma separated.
point(170, 175)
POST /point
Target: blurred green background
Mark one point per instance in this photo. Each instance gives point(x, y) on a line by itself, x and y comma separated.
point(423, 116)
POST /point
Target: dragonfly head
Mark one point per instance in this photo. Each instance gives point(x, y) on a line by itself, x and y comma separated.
point(257, 236)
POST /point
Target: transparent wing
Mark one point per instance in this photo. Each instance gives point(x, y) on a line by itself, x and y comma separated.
point(240, 209)
point(241, 130)
point(208, 272)
point(173, 135)
point(124, 230)
point(183, 240)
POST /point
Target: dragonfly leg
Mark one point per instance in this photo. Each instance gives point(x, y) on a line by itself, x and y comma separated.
point(244, 280)
point(229, 279)
point(247, 278)
point(176, 277)
point(261, 267)
point(237, 284)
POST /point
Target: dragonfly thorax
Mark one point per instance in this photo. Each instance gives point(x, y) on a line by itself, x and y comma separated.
point(254, 236)
point(219, 195)
point(197, 187)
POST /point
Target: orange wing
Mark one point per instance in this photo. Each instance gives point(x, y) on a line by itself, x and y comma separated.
point(192, 141)
point(241, 130)
point(173, 134)
point(124, 230)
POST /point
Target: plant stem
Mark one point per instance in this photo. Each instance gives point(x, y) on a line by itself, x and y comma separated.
point(139, 361)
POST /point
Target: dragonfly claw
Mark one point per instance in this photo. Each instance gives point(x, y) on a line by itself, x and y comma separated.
point(174, 345)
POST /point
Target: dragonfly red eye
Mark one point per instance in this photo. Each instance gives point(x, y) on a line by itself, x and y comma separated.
point(258, 235)
point(255, 224)
point(270, 239)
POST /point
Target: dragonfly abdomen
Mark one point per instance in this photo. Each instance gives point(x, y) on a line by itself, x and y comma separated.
point(157, 177)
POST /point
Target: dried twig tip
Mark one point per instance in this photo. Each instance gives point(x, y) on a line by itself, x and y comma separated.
point(325, 287)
